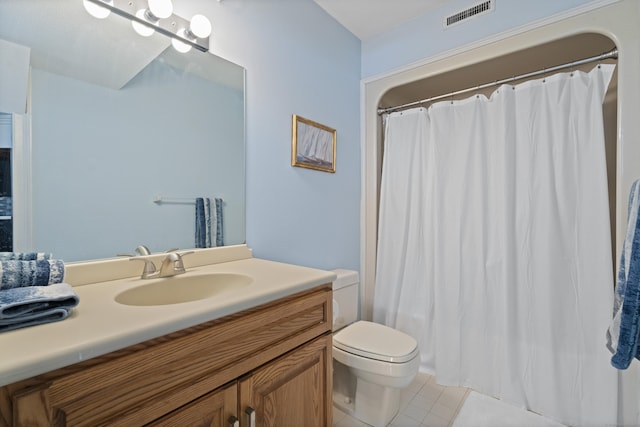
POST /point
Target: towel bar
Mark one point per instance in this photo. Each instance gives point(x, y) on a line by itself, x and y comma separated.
point(159, 199)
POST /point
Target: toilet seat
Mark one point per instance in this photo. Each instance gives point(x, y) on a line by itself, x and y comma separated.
point(377, 342)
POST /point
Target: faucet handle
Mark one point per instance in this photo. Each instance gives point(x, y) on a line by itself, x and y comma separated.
point(182, 255)
point(149, 271)
point(141, 250)
point(179, 263)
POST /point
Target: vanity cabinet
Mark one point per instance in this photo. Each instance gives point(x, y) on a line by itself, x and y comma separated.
point(266, 366)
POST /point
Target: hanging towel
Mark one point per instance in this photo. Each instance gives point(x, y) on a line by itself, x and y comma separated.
point(24, 256)
point(208, 223)
point(35, 305)
point(622, 335)
point(218, 222)
point(16, 274)
point(203, 222)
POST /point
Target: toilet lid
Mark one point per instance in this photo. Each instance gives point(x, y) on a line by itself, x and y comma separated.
point(376, 341)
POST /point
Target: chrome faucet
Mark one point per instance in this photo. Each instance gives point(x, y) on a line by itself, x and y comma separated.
point(172, 264)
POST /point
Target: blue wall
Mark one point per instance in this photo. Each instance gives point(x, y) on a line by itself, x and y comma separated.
point(299, 60)
point(425, 36)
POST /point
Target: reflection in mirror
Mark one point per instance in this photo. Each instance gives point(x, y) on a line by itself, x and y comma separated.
point(109, 137)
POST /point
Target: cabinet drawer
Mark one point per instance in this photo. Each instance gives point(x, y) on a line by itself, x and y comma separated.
point(139, 384)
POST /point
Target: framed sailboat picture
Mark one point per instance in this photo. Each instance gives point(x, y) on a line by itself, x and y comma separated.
point(313, 145)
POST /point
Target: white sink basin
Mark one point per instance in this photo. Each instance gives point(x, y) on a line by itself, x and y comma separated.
point(181, 289)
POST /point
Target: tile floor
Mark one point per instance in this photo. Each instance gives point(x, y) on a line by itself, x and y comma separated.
point(423, 403)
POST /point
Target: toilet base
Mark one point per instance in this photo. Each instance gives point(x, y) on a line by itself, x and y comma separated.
point(344, 388)
point(344, 403)
point(374, 404)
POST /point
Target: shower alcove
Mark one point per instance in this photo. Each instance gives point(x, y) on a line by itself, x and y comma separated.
point(541, 45)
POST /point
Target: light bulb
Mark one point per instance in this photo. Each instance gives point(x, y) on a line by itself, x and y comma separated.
point(96, 10)
point(200, 26)
point(161, 8)
point(143, 30)
point(179, 45)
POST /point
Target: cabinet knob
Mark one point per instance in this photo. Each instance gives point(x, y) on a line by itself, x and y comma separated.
point(251, 416)
point(233, 421)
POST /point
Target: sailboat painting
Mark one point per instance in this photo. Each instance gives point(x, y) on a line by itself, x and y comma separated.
point(313, 145)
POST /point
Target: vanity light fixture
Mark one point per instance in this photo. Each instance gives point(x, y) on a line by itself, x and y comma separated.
point(149, 16)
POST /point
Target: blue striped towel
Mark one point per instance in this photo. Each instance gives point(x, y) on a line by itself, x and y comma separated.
point(24, 256)
point(35, 305)
point(206, 235)
point(622, 335)
point(218, 222)
point(16, 274)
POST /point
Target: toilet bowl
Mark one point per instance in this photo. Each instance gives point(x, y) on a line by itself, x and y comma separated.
point(372, 362)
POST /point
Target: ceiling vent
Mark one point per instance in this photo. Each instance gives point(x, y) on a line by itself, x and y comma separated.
point(473, 11)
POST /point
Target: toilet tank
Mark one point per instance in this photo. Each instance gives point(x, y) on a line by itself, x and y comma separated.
point(345, 298)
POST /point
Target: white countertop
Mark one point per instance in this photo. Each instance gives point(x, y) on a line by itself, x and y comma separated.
point(99, 325)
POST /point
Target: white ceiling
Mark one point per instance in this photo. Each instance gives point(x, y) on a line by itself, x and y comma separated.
point(367, 18)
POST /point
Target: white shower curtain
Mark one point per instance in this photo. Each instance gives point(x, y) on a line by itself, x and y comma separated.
point(494, 247)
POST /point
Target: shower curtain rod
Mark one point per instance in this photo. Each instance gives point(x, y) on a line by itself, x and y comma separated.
point(607, 55)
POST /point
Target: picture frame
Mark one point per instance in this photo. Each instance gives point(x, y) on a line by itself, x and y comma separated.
point(313, 145)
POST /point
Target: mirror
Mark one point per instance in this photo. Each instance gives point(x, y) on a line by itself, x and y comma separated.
point(118, 120)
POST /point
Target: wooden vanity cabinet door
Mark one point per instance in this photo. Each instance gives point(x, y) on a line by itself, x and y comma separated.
point(211, 410)
point(291, 391)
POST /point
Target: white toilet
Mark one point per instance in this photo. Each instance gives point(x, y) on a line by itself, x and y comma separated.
point(371, 362)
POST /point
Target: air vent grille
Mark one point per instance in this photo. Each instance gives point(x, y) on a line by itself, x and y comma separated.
point(478, 9)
